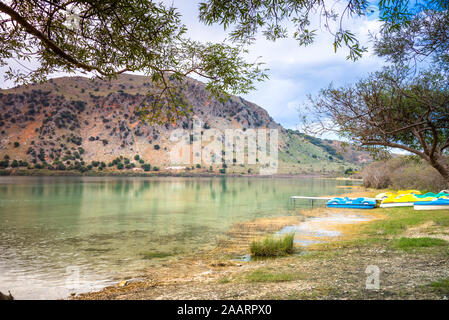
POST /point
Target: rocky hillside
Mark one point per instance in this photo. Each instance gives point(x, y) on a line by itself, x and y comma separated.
point(90, 124)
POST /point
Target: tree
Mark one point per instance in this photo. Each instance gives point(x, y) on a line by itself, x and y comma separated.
point(275, 18)
point(108, 38)
point(392, 108)
point(423, 37)
point(406, 105)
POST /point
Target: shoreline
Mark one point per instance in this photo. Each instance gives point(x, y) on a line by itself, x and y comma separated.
point(229, 253)
point(66, 173)
point(332, 269)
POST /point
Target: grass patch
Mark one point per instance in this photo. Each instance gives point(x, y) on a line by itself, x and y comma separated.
point(441, 286)
point(263, 275)
point(397, 220)
point(155, 255)
point(352, 243)
point(273, 246)
point(442, 221)
point(224, 280)
point(412, 243)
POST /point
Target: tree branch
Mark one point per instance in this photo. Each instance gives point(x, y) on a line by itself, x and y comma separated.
point(395, 145)
point(50, 44)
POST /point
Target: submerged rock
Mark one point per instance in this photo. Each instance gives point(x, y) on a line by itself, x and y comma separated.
point(5, 297)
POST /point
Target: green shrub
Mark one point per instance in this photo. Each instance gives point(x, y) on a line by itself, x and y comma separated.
point(146, 167)
point(61, 166)
point(4, 164)
point(16, 144)
point(23, 163)
point(412, 243)
point(273, 246)
point(136, 157)
point(156, 147)
point(441, 286)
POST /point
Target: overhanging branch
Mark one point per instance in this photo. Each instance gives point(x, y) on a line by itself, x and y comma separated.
point(395, 145)
point(49, 43)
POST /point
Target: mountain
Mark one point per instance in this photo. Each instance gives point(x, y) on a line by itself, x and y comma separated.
point(81, 123)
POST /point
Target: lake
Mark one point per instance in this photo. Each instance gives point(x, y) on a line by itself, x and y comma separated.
point(64, 234)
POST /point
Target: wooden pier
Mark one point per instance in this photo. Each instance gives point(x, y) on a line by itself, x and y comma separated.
point(312, 199)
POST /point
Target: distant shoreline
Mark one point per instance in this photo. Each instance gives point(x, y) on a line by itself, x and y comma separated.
point(70, 173)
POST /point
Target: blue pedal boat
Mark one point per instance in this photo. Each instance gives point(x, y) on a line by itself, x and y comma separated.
point(358, 203)
point(438, 204)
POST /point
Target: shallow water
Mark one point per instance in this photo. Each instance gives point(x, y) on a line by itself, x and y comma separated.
point(74, 234)
point(311, 231)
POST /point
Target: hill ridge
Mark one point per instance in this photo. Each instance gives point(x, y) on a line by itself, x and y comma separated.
point(77, 122)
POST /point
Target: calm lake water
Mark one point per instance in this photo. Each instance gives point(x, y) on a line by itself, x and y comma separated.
point(55, 230)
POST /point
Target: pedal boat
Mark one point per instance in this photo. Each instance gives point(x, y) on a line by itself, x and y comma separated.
point(349, 203)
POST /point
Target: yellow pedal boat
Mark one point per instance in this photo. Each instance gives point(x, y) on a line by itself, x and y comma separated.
point(405, 200)
point(385, 195)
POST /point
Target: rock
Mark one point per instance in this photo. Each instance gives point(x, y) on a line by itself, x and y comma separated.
point(123, 283)
point(221, 264)
point(5, 297)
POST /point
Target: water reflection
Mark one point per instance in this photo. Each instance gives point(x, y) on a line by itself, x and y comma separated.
point(104, 225)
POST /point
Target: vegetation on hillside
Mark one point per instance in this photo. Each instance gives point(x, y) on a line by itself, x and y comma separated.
point(66, 124)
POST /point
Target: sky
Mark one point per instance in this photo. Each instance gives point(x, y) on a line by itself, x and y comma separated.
point(294, 71)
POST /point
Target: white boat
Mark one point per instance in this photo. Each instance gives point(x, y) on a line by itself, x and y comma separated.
point(396, 204)
point(440, 204)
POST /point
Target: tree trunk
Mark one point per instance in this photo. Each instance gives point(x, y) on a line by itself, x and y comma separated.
point(440, 164)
